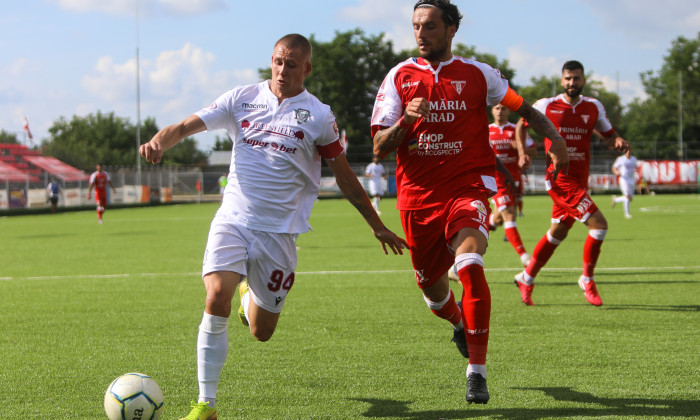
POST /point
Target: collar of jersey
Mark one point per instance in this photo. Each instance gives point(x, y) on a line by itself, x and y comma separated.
point(269, 93)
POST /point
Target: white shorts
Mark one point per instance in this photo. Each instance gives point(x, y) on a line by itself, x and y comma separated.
point(376, 188)
point(627, 186)
point(267, 260)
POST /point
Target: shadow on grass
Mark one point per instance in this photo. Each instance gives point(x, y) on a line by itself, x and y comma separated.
point(599, 407)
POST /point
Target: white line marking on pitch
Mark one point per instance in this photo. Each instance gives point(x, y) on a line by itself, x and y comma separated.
point(311, 273)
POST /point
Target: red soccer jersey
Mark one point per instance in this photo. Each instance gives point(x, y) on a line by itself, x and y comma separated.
point(576, 125)
point(450, 150)
point(502, 138)
point(99, 180)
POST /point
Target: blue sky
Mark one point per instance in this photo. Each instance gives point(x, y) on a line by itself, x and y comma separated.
point(75, 57)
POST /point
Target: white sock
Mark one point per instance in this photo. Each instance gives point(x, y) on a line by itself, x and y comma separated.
point(627, 206)
point(212, 349)
point(620, 199)
point(480, 369)
point(375, 203)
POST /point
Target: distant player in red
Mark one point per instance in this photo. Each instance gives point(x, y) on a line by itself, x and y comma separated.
point(575, 116)
point(99, 179)
point(508, 150)
point(431, 110)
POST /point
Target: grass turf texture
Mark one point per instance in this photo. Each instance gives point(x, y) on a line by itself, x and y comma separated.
point(83, 303)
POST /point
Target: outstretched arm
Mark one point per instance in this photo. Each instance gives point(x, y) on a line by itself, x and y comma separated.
point(353, 191)
point(557, 152)
point(614, 140)
point(169, 137)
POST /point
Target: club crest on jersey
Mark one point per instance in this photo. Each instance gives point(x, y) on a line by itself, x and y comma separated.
point(302, 115)
point(459, 85)
point(585, 118)
point(477, 204)
point(419, 276)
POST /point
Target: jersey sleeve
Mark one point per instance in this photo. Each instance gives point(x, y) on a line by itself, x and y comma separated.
point(328, 143)
point(388, 106)
point(540, 105)
point(496, 82)
point(218, 115)
point(602, 124)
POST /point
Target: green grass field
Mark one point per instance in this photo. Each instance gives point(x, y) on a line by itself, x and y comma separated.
point(83, 303)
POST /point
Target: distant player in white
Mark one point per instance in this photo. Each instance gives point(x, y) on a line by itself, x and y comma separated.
point(376, 174)
point(625, 168)
point(280, 132)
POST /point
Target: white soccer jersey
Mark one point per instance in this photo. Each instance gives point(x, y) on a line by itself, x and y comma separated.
point(276, 158)
point(376, 181)
point(626, 167)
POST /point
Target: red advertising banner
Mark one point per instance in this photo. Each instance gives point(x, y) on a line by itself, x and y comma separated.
point(669, 171)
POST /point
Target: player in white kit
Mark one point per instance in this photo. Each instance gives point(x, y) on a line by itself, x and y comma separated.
point(625, 168)
point(280, 132)
point(376, 174)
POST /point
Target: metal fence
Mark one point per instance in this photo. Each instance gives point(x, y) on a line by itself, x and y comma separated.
point(195, 184)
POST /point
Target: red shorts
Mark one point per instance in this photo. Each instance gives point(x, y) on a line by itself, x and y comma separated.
point(571, 203)
point(101, 198)
point(429, 232)
point(505, 197)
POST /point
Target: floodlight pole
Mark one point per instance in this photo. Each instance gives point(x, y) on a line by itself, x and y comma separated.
point(138, 101)
point(680, 115)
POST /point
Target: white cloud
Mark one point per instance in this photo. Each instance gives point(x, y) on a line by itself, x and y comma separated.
point(649, 23)
point(109, 80)
point(173, 86)
point(627, 90)
point(393, 17)
point(529, 64)
point(149, 7)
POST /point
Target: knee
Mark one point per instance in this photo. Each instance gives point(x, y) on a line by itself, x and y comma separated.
point(559, 232)
point(217, 303)
point(261, 334)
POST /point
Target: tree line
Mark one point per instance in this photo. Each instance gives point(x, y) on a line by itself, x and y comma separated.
point(347, 72)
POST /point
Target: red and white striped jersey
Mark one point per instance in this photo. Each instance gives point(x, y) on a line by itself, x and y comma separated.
point(444, 154)
point(99, 180)
point(576, 125)
point(502, 138)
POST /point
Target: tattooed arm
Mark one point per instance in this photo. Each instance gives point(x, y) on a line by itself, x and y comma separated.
point(387, 140)
point(352, 189)
point(557, 152)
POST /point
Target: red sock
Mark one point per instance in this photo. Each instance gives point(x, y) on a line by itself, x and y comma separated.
point(541, 254)
point(591, 251)
point(476, 310)
point(449, 311)
point(514, 237)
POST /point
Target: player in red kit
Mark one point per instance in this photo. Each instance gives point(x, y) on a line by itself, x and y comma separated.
point(99, 179)
point(576, 117)
point(431, 110)
point(508, 151)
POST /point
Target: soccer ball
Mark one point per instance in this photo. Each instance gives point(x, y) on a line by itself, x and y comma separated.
point(133, 396)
